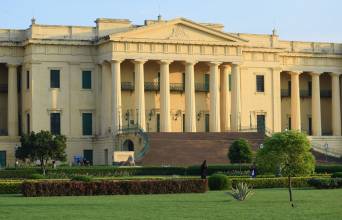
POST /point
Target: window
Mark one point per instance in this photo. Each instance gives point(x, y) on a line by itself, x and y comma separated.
point(260, 87)
point(28, 129)
point(55, 123)
point(309, 88)
point(289, 87)
point(54, 78)
point(86, 79)
point(206, 82)
point(87, 123)
point(27, 79)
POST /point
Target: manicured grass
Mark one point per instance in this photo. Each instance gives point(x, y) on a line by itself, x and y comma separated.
point(265, 204)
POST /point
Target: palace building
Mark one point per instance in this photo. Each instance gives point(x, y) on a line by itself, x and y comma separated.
point(111, 88)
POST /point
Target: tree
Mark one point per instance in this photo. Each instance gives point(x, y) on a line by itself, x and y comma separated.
point(42, 146)
point(240, 152)
point(289, 153)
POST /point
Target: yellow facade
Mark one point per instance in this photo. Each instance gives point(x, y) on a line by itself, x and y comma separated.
point(190, 76)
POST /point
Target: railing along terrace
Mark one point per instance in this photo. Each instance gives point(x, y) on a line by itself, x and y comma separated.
point(152, 86)
point(127, 86)
point(202, 87)
point(177, 87)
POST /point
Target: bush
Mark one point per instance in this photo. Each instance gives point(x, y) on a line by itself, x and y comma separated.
point(75, 188)
point(326, 183)
point(10, 187)
point(240, 152)
point(278, 182)
point(82, 178)
point(337, 175)
point(219, 182)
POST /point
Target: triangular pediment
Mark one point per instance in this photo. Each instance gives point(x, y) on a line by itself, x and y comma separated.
point(179, 29)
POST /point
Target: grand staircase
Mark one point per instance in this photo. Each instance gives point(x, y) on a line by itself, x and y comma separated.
point(175, 148)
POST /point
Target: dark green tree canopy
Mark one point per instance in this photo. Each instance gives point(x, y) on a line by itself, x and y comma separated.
point(240, 152)
point(287, 152)
point(42, 146)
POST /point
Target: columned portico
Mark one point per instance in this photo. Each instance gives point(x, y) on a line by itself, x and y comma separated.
point(295, 101)
point(316, 106)
point(140, 93)
point(165, 117)
point(215, 123)
point(190, 107)
point(335, 105)
point(235, 97)
point(12, 101)
point(116, 95)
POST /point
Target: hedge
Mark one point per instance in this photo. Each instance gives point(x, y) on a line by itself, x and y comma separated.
point(337, 175)
point(102, 171)
point(279, 182)
point(10, 187)
point(332, 183)
point(328, 168)
point(77, 188)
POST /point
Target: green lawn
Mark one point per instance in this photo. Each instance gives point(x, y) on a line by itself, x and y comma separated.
point(265, 204)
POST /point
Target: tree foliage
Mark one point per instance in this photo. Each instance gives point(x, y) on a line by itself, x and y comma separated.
point(240, 152)
point(287, 152)
point(42, 146)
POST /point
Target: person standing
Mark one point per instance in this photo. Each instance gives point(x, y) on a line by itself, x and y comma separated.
point(204, 170)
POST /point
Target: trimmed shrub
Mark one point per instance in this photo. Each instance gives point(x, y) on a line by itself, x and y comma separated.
point(331, 183)
point(82, 178)
point(219, 182)
point(279, 182)
point(240, 151)
point(337, 175)
point(10, 187)
point(76, 188)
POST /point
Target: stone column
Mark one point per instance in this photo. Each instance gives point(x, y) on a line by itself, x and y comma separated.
point(116, 95)
point(214, 123)
point(224, 98)
point(165, 118)
point(235, 97)
point(140, 93)
point(276, 88)
point(295, 102)
point(335, 104)
point(190, 107)
point(12, 101)
point(316, 105)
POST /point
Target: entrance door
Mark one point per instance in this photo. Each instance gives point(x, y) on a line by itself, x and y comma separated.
point(206, 125)
point(158, 122)
point(309, 126)
point(88, 155)
point(261, 123)
point(2, 159)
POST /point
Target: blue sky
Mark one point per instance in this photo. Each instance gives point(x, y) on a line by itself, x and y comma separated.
point(309, 20)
